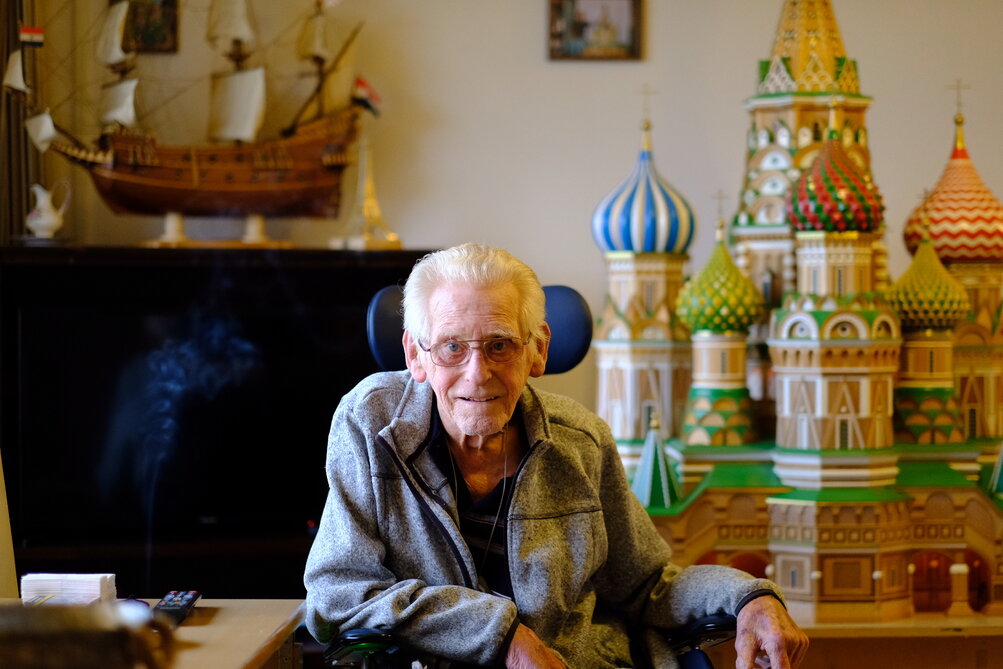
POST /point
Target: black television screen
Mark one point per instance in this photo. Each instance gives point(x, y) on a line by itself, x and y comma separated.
point(165, 412)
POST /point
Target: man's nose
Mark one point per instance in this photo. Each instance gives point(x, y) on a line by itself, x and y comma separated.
point(478, 363)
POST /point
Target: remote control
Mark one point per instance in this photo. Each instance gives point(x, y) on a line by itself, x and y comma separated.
point(177, 604)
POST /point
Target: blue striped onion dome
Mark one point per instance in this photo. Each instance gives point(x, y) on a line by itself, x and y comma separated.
point(644, 214)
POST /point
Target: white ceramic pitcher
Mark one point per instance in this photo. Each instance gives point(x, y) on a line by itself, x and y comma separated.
point(46, 218)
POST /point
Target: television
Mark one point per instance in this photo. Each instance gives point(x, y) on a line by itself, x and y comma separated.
point(165, 411)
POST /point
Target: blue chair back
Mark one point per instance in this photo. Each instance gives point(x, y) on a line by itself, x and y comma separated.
point(568, 315)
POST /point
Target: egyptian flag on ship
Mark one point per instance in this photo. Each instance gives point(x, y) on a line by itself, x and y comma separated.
point(364, 95)
point(31, 36)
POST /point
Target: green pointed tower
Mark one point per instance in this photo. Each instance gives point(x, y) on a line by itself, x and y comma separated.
point(718, 305)
point(930, 302)
point(655, 482)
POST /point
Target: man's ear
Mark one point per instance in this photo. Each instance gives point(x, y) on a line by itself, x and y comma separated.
point(414, 365)
point(541, 346)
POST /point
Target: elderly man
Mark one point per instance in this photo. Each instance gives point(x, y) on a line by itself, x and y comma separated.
point(489, 523)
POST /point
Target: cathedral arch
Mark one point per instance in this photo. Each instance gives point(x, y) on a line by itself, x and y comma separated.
point(768, 208)
point(931, 581)
point(742, 507)
point(979, 519)
point(798, 326)
point(804, 159)
point(771, 181)
point(883, 328)
point(971, 334)
point(845, 326)
point(751, 563)
point(783, 134)
point(725, 404)
point(698, 437)
point(805, 137)
point(712, 419)
point(700, 519)
point(978, 579)
point(938, 506)
point(776, 159)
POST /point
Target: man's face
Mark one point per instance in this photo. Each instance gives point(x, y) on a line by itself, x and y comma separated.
point(479, 396)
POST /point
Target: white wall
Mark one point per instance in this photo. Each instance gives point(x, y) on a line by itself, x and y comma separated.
point(482, 138)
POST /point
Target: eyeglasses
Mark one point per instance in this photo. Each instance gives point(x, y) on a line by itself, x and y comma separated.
point(454, 353)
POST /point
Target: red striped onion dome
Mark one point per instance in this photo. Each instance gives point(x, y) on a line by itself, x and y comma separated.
point(833, 195)
point(966, 219)
point(644, 214)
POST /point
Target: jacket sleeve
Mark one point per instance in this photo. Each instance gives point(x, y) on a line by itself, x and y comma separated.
point(638, 575)
point(348, 583)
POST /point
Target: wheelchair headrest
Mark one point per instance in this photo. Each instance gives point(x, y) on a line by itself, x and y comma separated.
point(568, 315)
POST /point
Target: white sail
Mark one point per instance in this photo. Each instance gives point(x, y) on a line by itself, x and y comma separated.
point(339, 84)
point(14, 74)
point(109, 42)
point(313, 42)
point(229, 20)
point(118, 103)
point(238, 105)
point(41, 130)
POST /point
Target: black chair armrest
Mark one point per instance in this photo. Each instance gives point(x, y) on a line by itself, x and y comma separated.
point(703, 633)
point(354, 647)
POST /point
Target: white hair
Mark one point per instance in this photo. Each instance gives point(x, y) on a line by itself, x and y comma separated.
point(476, 265)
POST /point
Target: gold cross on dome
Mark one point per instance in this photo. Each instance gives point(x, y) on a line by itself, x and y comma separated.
point(959, 86)
point(721, 199)
point(646, 93)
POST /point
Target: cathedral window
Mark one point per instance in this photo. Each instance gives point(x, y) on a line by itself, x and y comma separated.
point(843, 427)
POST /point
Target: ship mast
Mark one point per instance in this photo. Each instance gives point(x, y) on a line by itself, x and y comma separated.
point(118, 99)
point(230, 24)
point(315, 55)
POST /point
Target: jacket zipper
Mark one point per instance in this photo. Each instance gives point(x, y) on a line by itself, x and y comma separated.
point(427, 511)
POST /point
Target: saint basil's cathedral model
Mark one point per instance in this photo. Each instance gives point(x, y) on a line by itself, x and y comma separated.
point(792, 411)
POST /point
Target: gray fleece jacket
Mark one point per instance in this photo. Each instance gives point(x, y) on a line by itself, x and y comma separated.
point(587, 565)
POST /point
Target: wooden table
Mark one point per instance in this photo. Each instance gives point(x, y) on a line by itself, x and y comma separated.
point(925, 641)
point(239, 634)
point(235, 634)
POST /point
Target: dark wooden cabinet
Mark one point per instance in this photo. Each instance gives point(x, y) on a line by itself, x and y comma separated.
point(164, 413)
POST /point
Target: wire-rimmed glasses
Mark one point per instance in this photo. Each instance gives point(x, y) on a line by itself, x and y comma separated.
point(455, 352)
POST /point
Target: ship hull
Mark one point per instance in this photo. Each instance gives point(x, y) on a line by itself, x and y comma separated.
point(299, 175)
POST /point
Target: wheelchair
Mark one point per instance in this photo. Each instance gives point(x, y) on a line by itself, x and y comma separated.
point(571, 326)
point(366, 648)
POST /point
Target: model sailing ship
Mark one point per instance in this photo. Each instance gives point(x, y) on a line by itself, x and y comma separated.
point(296, 174)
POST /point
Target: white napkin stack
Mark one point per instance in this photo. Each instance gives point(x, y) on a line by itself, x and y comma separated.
point(74, 589)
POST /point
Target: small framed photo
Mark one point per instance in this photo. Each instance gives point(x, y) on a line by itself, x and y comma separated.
point(151, 26)
point(595, 29)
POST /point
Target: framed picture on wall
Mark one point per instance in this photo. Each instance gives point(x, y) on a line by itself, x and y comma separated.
point(151, 26)
point(595, 29)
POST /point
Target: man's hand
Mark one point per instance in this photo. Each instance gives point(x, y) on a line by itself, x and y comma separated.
point(767, 637)
point(527, 651)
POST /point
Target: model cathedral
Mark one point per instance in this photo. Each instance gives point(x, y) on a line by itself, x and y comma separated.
point(790, 409)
